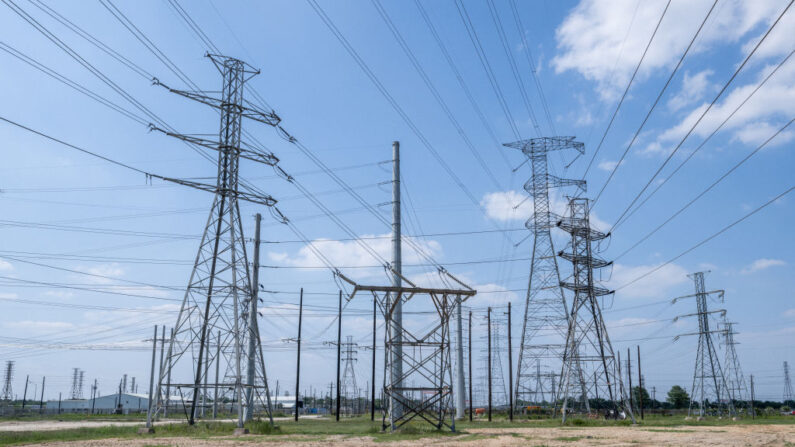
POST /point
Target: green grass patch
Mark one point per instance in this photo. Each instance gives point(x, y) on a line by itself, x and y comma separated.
point(569, 438)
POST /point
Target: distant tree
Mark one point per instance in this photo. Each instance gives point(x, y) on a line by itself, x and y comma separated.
point(644, 394)
point(678, 397)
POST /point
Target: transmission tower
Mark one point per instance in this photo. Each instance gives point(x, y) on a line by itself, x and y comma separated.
point(124, 383)
point(80, 381)
point(499, 391)
point(787, 384)
point(75, 391)
point(735, 381)
point(220, 296)
point(545, 317)
point(8, 393)
point(349, 391)
point(589, 352)
point(708, 378)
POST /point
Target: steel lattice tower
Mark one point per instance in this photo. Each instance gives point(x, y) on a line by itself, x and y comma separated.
point(708, 378)
point(499, 391)
point(348, 390)
point(589, 352)
point(735, 380)
point(787, 384)
point(8, 393)
point(75, 391)
point(545, 316)
point(219, 295)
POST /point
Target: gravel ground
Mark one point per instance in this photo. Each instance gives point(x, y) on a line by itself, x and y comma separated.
point(729, 436)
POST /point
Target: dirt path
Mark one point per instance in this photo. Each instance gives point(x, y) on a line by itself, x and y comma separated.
point(729, 436)
point(47, 425)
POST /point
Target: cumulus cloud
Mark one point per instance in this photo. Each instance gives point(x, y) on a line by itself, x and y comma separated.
point(517, 206)
point(762, 264)
point(659, 284)
point(693, 89)
point(603, 41)
point(352, 255)
point(607, 165)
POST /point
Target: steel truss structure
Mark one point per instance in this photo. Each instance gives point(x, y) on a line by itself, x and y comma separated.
point(708, 378)
point(546, 315)
point(788, 395)
point(424, 388)
point(348, 390)
point(589, 352)
point(216, 329)
point(735, 380)
point(8, 392)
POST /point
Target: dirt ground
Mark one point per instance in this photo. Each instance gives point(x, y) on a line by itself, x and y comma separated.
point(730, 436)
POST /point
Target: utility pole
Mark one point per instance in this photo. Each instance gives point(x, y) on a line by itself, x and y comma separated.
point(220, 294)
point(488, 319)
point(510, 367)
point(469, 357)
point(753, 408)
point(41, 401)
point(640, 386)
point(629, 375)
point(217, 366)
point(397, 265)
point(545, 311)
point(372, 383)
point(459, 358)
point(168, 378)
point(339, 353)
point(159, 386)
point(59, 405)
point(151, 381)
point(298, 354)
point(252, 315)
point(25, 394)
point(93, 401)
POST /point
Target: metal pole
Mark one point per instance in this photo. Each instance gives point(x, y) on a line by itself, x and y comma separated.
point(252, 325)
point(59, 405)
point(168, 382)
point(41, 401)
point(469, 346)
point(640, 386)
point(298, 360)
point(459, 340)
point(510, 367)
point(93, 400)
point(339, 345)
point(160, 371)
point(151, 380)
point(488, 320)
point(372, 384)
point(397, 313)
point(629, 375)
point(753, 410)
point(206, 372)
point(217, 368)
point(25, 394)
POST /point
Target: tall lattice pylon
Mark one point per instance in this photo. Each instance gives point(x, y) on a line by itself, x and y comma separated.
point(709, 381)
point(589, 352)
point(499, 390)
point(787, 384)
point(8, 377)
point(348, 389)
point(735, 380)
point(220, 297)
point(545, 317)
point(75, 391)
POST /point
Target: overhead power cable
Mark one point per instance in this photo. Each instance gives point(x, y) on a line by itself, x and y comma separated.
point(706, 190)
point(703, 114)
point(708, 138)
point(654, 105)
point(626, 90)
point(709, 238)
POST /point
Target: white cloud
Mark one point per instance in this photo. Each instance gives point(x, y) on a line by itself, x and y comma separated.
point(352, 255)
point(112, 270)
point(789, 313)
point(59, 293)
point(607, 165)
point(39, 326)
point(5, 266)
point(762, 264)
point(659, 284)
point(693, 89)
point(757, 133)
point(517, 206)
point(592, 36)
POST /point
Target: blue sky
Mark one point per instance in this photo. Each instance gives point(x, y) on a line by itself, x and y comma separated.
point(54, 199)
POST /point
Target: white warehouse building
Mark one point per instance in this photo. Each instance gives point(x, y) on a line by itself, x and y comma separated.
point(129, 402)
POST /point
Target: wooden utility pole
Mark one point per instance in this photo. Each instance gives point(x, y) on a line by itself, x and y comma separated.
point(753, 410)
point(298, 360)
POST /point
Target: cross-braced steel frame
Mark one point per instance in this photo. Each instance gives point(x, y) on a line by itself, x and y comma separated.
point(735, 380)
point(424, 389)
point(589, 352)
point(216, 332)
point(546, 315)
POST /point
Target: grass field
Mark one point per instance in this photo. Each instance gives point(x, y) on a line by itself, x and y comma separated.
point(318, 430)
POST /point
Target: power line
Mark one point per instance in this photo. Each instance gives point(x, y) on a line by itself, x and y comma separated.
point(704, 113)
point(654, 105)
point(709, 238)
point(629, 84)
